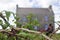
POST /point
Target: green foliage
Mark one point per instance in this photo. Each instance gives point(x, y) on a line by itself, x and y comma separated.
point(8, 13)
point(35, 22)
point(29, 26)
point(29, 17)
point(6, 18)
point(18, 24)
point(5, 26)
point(3, 36)
point(1, 22)
point(17, 18)
point(56, 37)
point(32, 36)
point(32, 21)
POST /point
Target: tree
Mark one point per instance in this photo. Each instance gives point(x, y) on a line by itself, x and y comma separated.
point(17, 33)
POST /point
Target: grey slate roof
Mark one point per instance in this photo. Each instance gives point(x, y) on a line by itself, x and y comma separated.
point(37, 11)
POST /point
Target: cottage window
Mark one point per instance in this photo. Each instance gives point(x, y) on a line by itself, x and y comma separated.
point(46, 18)
point(46, 26)
point(35, 27)
point(24, 19)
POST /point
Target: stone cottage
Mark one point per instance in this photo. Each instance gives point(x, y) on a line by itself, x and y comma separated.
point(44, 15)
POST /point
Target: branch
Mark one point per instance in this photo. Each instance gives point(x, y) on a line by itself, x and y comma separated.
point(55, 31)
point(21, 29)
point(30, 31)
point(36, 32)
point(4, 19)
point(10, 33)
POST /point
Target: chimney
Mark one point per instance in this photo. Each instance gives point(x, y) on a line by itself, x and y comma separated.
point(17, 6)
point(16, 9)
point(50, 8)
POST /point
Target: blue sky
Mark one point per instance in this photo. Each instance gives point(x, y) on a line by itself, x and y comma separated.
point(11, 5)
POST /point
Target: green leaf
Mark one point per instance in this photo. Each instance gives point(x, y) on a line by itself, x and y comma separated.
point(29, 26)
point(17, 18)
point(5, 26)
point(35, 22)
point(18, 24)
point(7, 14)
point(1, 22)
